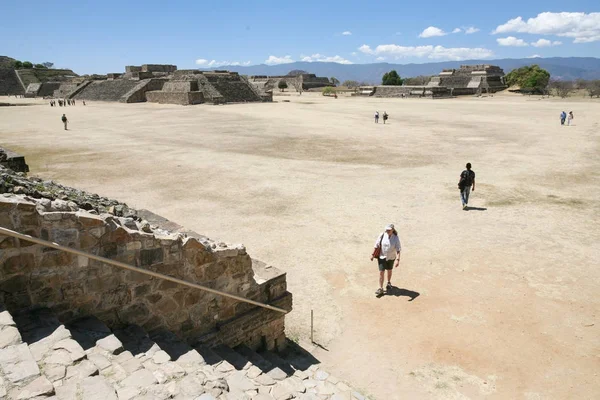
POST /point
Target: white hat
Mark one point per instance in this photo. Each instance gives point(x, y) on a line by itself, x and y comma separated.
point(389, 227)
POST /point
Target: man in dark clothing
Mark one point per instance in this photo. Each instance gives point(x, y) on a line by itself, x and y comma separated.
point(64, 120)
point(467, 180)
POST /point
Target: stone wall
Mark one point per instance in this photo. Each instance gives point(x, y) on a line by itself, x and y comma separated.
point(48, 88)
point(12, 160)
point(231, 87)
point(180, 98)
point(9, 83)
point(138, 93)
point(64, 90)
point(34, 276)
point(410, 91)
point(159, 68)
point(32, 89)
point(106, 90)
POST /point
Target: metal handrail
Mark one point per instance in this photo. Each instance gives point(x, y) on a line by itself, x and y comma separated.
point(119, 264)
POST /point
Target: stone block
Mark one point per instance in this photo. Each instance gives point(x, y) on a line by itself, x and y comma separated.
point(18, 363)
point(38, 387)
point(9, 336)
point(97, 388)
point(20, 263)
point(151, 256)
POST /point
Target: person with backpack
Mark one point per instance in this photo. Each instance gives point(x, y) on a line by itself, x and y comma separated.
point(387, 252)
point(467, 180)
point(64, 120)
point(563, 117)
point(385, 117)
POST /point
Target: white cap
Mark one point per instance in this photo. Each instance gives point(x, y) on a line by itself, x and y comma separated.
point(389, 227)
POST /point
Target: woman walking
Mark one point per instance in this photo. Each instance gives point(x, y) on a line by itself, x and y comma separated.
point(387, 251)
point(570, 118)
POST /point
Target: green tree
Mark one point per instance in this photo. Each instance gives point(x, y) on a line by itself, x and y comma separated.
point(18, 64)
point(27, 65)
point(334, 81)
point(48, 64)
point(282, 85)
point(39, 66)
point(391, 79)
point(530, 77)
point(329, 91)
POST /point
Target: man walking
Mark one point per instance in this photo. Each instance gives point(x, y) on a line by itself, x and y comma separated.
point(563, 117)
point(467, 180)
point(64, 120)
point(376, 117)
point(387, 251)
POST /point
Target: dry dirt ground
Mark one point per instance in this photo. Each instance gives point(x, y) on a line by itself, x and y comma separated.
point(508, 304)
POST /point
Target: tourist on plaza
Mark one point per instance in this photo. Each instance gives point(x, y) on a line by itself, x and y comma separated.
point(385, 116)
point(64, 120)
point(467, 180)
point(376, 117)
point(570, 118)
point(387, 252)
point(83, 102)
point(563, 117)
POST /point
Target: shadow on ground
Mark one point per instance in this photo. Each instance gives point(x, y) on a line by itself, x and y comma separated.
point(398, 292)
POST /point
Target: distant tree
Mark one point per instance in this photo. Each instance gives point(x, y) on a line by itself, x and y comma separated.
point(391, 79)
point(329, 91)
point(282, 85)
point(39, 66)
point(334, 81)
point(296, 72)
point(560, 88)
point(48, 64)
point(530, 77)
point(27, 65)
point(593, 88)
point(350, 84)
point(417, 80)
point(18, 64)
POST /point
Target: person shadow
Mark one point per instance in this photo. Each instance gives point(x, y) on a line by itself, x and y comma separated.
point(398, 292)
point(469, 208)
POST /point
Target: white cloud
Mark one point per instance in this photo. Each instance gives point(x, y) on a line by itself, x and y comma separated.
point(346, 33)
point(545, 43)
point(457, 30)
point(433, 52)
point(321, 58)
point(470, 30)
point(535, 56)
point(273, 60)
point(511, 41)
point(214, 63)
point(581, 27)
point(380, 59)
point(431, 32)
point(354, 53)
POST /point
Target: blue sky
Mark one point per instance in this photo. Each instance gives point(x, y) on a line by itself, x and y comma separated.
point(102, 37)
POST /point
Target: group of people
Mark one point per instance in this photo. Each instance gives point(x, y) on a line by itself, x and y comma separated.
point(568, 118)
point(387, 245)
point(63, 102)
point(385, 117)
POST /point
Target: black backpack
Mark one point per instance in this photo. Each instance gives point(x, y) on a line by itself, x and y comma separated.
point(466, 179)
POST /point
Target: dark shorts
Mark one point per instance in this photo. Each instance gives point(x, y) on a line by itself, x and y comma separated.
point(385, 264)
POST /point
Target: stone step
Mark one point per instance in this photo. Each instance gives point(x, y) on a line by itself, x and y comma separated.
point(233, 357)
point(254, 358)
point(279, 362)
point(90, 332)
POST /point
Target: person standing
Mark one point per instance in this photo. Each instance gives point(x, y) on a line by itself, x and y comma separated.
point(563, 117)
point(467, 180)
point(387, 251)
point(64, 120)
point(376, 117)
point(385, 117)
point(570, 118)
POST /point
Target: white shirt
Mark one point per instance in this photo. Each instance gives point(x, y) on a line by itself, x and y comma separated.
point(389, 246)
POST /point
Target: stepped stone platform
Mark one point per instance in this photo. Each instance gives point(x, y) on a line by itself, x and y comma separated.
point(112, 90)
point(471, 79)
point(10, 83)
point(297, 82)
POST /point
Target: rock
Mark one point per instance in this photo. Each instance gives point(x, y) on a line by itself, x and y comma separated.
point(191, 386)
point(309, 383)
point(55, 372)
point(253, 372)
point(74, 348)
point(59, 357)
point(38, 387)
point(277, 374)
point(128, 392)
point(287, 389)
point(191, 361)
point(169, 371)
point(59, 205)
point(18, 363)
point(265, 380)
point(321, 375)
point(99, 360)
point(67, 392)
point(206, 396)
point(6, 319)
point(237, 381)
point(262, 396)
point(140, 379)
point(358, 396)
point(9, 336)
point(110, 344)
point(161, 357)
point(82, 370)
point(97, 388)
point(325, 388)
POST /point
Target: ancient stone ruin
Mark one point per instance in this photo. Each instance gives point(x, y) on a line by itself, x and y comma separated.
point(467, 80)
point(76, 328)
point(297, 82)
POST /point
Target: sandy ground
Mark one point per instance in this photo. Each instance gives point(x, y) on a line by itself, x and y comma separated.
point(508, 304)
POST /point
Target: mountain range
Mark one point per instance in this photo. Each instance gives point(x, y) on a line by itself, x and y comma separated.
point(563, 68)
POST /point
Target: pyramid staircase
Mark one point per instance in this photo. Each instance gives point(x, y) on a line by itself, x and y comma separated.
point(42, 358)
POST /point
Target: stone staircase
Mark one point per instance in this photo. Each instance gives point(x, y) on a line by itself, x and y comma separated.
point(41, 358)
